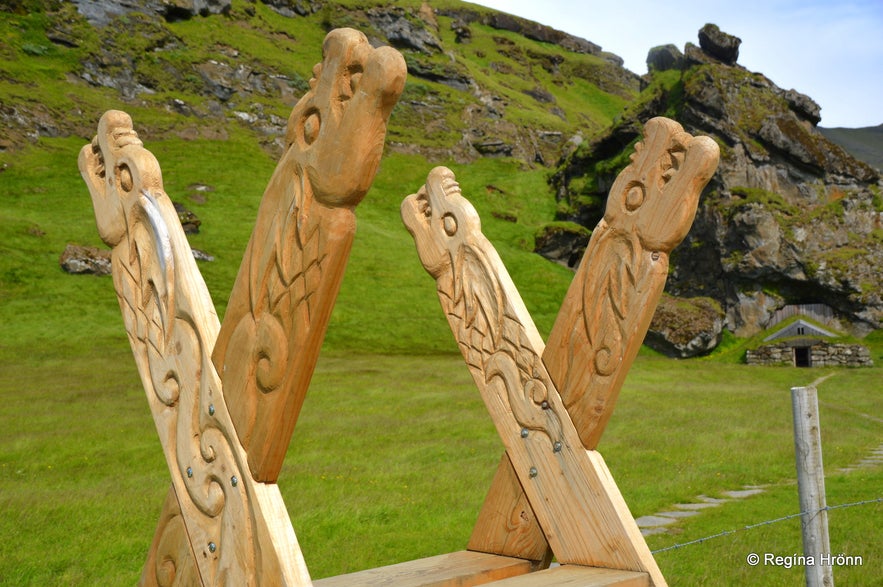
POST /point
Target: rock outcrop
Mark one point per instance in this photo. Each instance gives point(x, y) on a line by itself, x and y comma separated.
point(102, 12)
point(685, 328)
point(789, 217)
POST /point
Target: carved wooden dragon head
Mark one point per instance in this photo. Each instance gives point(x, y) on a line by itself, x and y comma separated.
point(336, 131)
point(656, 195)
point(441, 221)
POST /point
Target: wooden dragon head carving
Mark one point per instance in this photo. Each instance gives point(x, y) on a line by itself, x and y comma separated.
point(336, 131)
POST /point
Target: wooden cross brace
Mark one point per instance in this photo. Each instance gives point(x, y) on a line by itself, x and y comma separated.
point(225, 398)
point(552, 493)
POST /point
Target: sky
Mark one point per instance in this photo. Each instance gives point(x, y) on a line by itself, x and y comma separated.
point(830, 50)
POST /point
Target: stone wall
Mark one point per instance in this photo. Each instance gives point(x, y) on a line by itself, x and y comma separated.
point(821, 354)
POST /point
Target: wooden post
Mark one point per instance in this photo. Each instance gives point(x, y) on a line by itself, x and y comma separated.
point(811, 486)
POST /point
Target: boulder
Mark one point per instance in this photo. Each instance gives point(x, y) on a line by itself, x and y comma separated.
point(462, 32)
point(201, 255)
point(493, 148)
point(685, 327)
point(78, 259)
point(401, 32)
point(292, 8)
point(562, 242)
point(803, 106)
point(719, 44)
point(664, 58)
point(189, 221)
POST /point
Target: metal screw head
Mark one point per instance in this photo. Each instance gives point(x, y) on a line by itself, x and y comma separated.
point(190, 471)
point(556, 447)
point(234, 481)
point(533, 472)
point(211, 409)
point(545, 405)
point(212, 547)
point(524, 433)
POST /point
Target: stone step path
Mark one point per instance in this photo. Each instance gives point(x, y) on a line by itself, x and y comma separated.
point(872, 460)
point(658, 523)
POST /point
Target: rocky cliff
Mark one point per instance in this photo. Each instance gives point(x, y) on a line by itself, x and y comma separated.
point(789, 218)
point(481, 83)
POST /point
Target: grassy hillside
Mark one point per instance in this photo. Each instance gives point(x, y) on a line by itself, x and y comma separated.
point(864, 143)
point(402, 467)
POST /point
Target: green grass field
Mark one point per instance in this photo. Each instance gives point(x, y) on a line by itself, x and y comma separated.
point(394, 451)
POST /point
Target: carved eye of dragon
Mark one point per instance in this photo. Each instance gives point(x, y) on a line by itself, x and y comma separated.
point(449, 221)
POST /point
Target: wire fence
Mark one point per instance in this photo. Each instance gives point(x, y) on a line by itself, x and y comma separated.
point(768, 523)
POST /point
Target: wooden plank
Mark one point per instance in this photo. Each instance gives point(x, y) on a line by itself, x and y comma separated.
point(576, 502)
point(220, 518)
point(287, 284)
point(507, 524)
point(457, 569)
point(577, 576)
point(611, 301)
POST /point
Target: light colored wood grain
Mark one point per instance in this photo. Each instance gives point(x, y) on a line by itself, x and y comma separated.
point(608, 308)
point(576, 502)
point(576, 576)
point(507, 524)
point(457, 569)
point(611, 301)
point(231, 522)
point(170, 561)
point(282, 299)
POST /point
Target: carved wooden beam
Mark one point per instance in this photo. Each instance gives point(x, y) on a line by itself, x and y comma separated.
point(653, 203)
point(282, 299)
point(578, 506)
point(231, 523)
point(608, 308)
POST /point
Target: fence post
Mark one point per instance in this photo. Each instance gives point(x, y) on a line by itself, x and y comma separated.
point(811, 487)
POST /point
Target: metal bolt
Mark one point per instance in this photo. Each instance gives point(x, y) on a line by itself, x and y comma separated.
point(211, 409)
point(212, 547)
point(234, 481)
point(556, 447)
point(524, 433)
point(533, 472)
point(190, 471)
